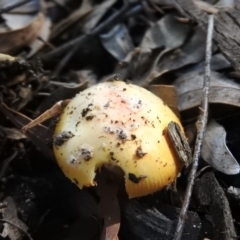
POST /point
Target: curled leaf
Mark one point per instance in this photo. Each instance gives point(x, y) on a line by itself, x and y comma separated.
point(215, 151)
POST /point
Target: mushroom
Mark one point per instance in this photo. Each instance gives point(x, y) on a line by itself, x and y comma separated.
point(119, 124)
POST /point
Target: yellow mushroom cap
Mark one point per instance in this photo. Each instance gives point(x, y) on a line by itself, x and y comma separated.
point(122, 125)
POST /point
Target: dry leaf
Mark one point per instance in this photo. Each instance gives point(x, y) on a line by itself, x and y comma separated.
point(222, 90)
point(11, 41)
point(19, 17)
point(10, 213)
point(193, 51)
point(218, 62)
point(118, 42)
point(166, 34)
point(215, 151)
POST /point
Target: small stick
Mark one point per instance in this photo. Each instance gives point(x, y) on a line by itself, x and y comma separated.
point(201, 126)
point(55, 110)
point(117, 17)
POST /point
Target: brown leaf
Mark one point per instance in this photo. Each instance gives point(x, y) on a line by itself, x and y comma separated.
point(11, 41)
point(18, 17)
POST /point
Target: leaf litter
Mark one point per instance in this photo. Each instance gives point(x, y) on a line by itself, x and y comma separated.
point(222, 90)
point(216, 153)
point(151, 43)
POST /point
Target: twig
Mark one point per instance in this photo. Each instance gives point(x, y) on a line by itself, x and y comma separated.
point(75, 43)
point(101, 27)
point(79, 40)
point(201, 126)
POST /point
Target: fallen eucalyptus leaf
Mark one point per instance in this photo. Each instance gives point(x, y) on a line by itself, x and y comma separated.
point(193, 51)
point(21, 26)
point(218, 62)
point(215, 151)
point(222, 90)
point(118, 42)
point(167, 34)
point(11, 41)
